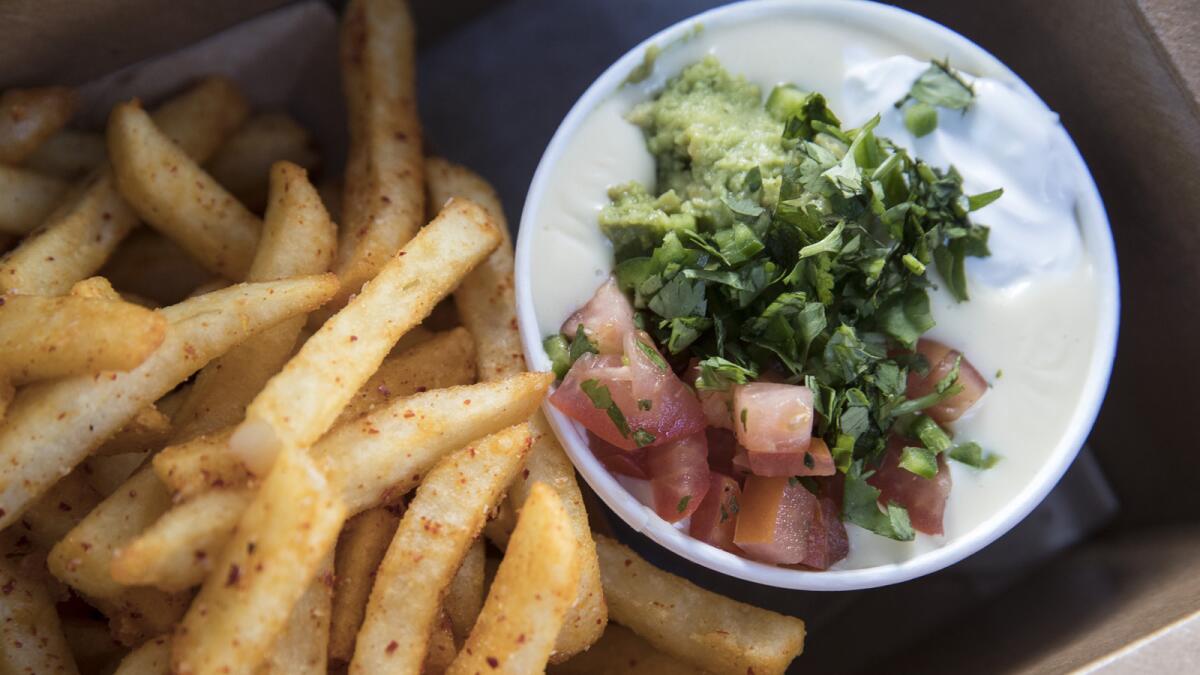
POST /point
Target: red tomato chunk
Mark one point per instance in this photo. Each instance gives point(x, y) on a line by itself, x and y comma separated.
point(925, 498)
point(678, 476)
point(607, 318)
point(774, 519)
point(716, 520)
point(774, 423)
point(941, 361)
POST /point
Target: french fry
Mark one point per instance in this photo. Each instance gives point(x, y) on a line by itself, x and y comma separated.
point(302, 648)
point(485, 299)
point(170, 192)
point(52, 427)
point(153, 657)
point(501, 522)
point(298, 238)
point(29, 197)
point(139, 614)
point(442, 520)
point(441, 652)
point(384, 195)
point(106, 473)
point(148, 430)
point(464, 597)
point(78, 237)
point(43, 338)
point(380, 457)
point(537, 581)
point(243, 163)
point(621, 652)
point(697, 626)
point(202, 463)
point(7, 393)
point(244, 604)
point(301, 403)
point(68, 154)
point(30, 632)
point(30, 116)
point(153, 557)
point(360, 549)
point(152, 266)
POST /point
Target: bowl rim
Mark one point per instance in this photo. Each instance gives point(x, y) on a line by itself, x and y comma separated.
point(1097, 240)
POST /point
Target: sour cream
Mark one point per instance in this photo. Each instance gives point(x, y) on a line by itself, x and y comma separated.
point(1030, 324)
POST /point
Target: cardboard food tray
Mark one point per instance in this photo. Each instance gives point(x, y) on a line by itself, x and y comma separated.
point(1099, 577)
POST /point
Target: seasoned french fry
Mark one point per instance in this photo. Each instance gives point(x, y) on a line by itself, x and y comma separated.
point(501, 522)
point(82, 559)
point(153, 557)
point(152, 266)
point(68, 154)
point(153, 657)
point(621, 652)
point(441, 650)
point(27, 543)
point(29, 197)
point(485, 298)
point(697, 626)
point(202, 463)
point(244, 604)
point(79, 235)
point(170, 191)
point(106, 473)
point(298, 238)
point(148, 430)
point(243, 164)
point(464, 597)
point(52, 427)
point(442, 520)
point(536, 582)
point(44, 338)
point(360, 549)
point(301, 403)
point(30, 633)
point(7, 393)
point(30, 116)
point(445, 360)
point(302, 648)
point(384, 195)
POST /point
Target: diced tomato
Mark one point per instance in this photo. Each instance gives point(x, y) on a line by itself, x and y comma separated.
point(656, 405)
point(774, 423)
point(716, 519)
point(741, 464)
point(717, 403)
point(622, 462)
point(679, 476)
point(722, 446)
point(941, 361)
point(607, 318)
point(774, 519)
point(925, 498)
point(818, 460)
point(827, 541)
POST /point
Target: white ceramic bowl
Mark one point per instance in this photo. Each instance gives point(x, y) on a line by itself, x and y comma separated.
point(922, 39)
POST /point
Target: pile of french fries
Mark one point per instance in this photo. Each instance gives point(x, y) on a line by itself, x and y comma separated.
point(231, 441)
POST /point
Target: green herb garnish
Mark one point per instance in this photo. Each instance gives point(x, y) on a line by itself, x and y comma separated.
point(643, 438)
point(972, 454)
point(602, 399)
point(860, 505)
point(683, 503)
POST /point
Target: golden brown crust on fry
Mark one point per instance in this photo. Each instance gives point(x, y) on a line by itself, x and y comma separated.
point(244, 162)
point(28, 198)
point(30, 116)
point(68, 154)
point(621, 652)
point(30, 632)
point(360, 549)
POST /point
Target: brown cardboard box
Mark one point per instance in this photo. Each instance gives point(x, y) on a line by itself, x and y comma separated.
point(497, 77)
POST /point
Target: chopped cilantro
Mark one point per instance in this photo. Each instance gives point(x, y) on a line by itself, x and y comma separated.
point(602, 399)
point(920, 461)
point(643, 438)
point(860, 505)
point(683, 503)
point(645, 404)
point(972, 454)
point(652, 355)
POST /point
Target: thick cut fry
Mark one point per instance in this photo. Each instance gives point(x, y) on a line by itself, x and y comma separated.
point(261, 574)
point(152, 266)
point(153, 557)
point(28, 197)
point(301, 403)
point(203, 462)
point(148, 430)
point(621, 652)
point(172, 193)
point(535, 584)
point(384, 195)
point(501, 522)
point(442, 520)
point(27, 543)
point(485, 299)
point(82, 559)
point(382, 456)
point(79, 236)
point(302, 648)
point(68, 154)
point(7, 393)
point(30, 116)
point(43, 338)
point(243, 164)
point(298, 238)
point(548, 463)
point(152, 658)
point(441, 651)
point(697, 626)
point(360, 549)
point(106, 473)
point(31, 639)
point(52, 427)
point(464, 598)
